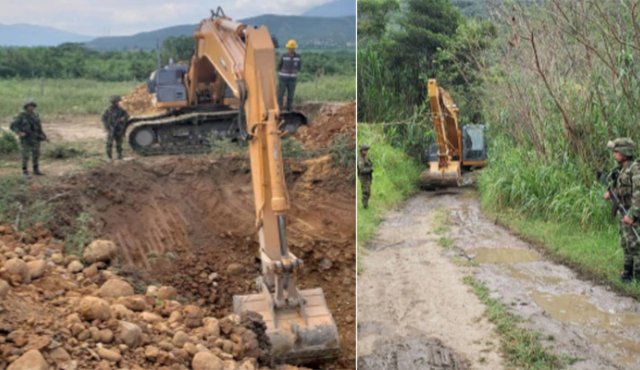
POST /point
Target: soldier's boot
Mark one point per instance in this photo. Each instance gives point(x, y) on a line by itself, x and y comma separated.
point(25, 172)
point(36, 171)
point(365, 203)
point(627, 273)
point(119, 154)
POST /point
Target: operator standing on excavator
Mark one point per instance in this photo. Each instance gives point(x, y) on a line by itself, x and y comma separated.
point(28, 127)
point(365, 174)
point(625, 186)
point(288, 69)
point(114, 120)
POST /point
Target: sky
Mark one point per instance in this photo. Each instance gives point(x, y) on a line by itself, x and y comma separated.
point(122, 17)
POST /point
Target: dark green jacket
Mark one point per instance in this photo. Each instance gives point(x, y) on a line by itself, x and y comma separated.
point(365, 166)
point(30, 124)
point(115, 120)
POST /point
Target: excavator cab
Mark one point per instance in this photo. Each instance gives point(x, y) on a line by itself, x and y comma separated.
point(167, 86)
point(474, 146)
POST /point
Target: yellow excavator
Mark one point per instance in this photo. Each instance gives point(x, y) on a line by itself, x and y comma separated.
point(231, 83)
point(455, 151)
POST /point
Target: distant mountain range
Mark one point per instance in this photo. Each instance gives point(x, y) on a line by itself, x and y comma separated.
point(329, 25)
point(309, 32)
point(32, 35)
point(337, 8)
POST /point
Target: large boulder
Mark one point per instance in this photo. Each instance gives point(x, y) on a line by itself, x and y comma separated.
point(115, 288)
point(30, 360)
point(16, 271)
point(94, 308)
point(100, 250)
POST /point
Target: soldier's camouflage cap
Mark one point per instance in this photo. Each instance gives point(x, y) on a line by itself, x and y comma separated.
point(364, 147)
point(623, 145)
point(115, 98)
point(28, 102)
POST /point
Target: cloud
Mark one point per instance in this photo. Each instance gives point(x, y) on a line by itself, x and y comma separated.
point(123, 17)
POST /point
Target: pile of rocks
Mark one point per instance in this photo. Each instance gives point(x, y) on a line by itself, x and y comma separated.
point(68, 312)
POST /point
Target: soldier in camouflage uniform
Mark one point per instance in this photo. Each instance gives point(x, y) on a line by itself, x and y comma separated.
point(28, 127)
point(115, 120)
point(365, 174)
point(626, 190)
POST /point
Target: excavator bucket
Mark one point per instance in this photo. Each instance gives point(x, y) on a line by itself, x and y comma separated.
point(435, 177)
point(305, 335)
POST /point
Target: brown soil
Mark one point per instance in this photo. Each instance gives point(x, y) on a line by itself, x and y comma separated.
point(139, 102)
point(177, 220)
point(327, 122)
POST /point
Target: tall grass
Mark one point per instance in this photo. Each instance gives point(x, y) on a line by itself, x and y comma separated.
point(58, 97)
point(327, 88)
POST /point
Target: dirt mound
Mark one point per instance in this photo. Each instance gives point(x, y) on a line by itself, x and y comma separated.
point(189, 222)
point(328, 120)
point(139, 102)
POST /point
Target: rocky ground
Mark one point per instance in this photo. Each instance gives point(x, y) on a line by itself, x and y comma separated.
point(182, 230)
point(68, 312)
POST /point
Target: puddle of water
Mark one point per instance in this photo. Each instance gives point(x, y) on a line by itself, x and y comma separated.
point(576, 309)
point(505, 256)
point(531, 277)
point(411, 354)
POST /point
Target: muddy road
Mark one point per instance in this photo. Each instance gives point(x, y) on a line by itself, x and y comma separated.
point(412, 287)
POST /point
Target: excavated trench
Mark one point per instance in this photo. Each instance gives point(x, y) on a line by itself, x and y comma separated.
point(189, 222)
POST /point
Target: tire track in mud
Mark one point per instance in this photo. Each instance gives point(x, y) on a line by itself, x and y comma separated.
point(589, 322)
point(586, 321)
point(414, 311)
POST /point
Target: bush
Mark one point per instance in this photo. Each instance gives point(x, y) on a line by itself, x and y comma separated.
point(342, 151)
point(8, 142)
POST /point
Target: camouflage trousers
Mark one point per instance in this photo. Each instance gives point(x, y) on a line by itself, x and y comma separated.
point(288, 85)
point(118, 138)
point(31, 149)
point(365, 183)
point(631, 247)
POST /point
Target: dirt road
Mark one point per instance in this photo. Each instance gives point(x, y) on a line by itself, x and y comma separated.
point(411, 287)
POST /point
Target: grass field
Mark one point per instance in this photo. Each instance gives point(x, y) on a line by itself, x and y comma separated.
point(59, 97)
point(395, 178)
point(327, 88)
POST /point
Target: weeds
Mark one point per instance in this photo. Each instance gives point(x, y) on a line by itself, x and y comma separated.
point(20, 204)
point(8, 142)
point(522, 347)
point(81, 234)
point(342, 151)
point(64, 151)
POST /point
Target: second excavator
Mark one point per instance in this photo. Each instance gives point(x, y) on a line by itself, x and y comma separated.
point(233, 71)
point(455, 151)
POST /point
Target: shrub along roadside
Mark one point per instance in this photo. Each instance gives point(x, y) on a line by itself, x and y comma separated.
point(396, 177)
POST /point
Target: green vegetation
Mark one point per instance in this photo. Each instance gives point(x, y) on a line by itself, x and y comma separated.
point(342, 150)
point(8, 142)
point(522, 347)
point(326, 88)
point(20, 205)
point(400, 48)
point(81, 234)
point(59, 97)
point(395, 177)
point(551, 110)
